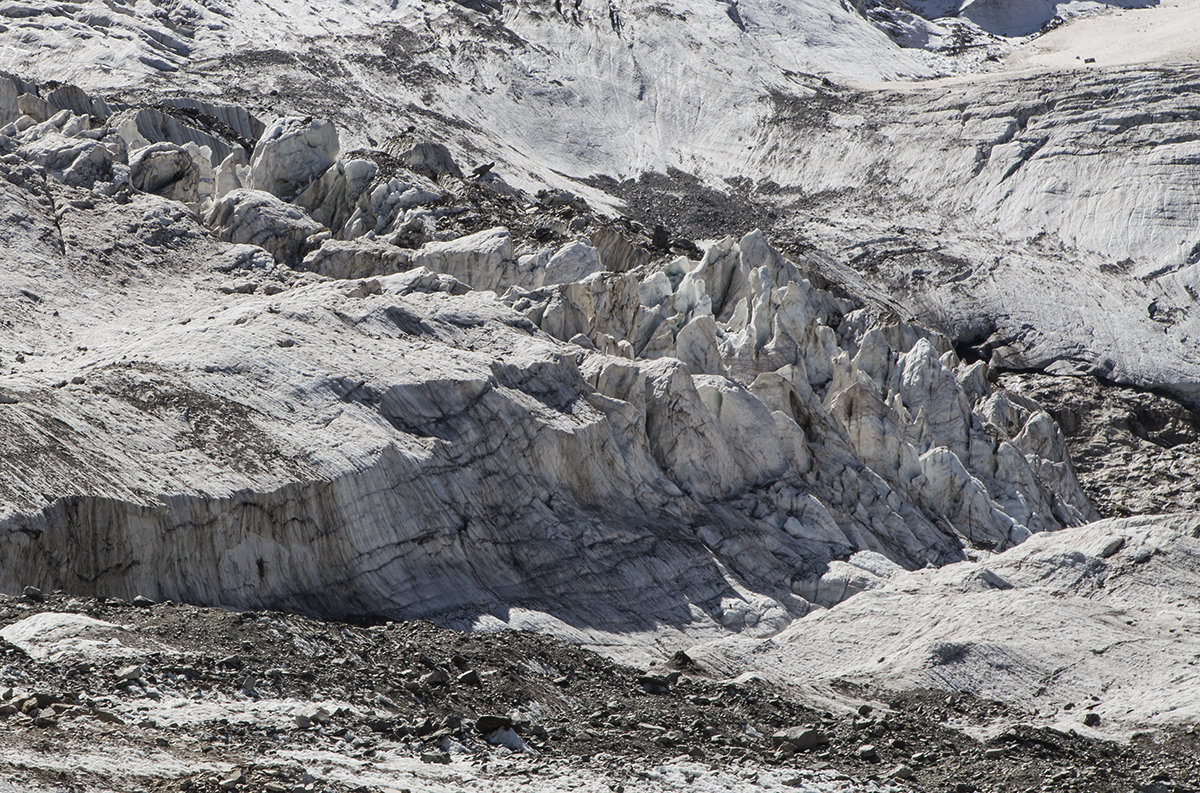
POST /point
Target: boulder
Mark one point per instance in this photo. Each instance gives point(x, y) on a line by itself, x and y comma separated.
point(800, 738)
point(56, 637)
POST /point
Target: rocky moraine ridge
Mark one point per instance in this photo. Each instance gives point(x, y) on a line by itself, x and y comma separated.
point(856, 464)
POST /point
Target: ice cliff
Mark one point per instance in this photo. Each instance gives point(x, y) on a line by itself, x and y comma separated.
point(242, 380)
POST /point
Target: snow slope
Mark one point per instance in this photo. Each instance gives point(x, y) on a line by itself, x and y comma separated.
point(1166, 33)
point(1099, 619)
point(660, 83)
point(1075, 186)
point(1049, 221)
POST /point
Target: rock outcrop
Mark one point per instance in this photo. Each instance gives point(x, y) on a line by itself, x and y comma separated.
point(1136, 452)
